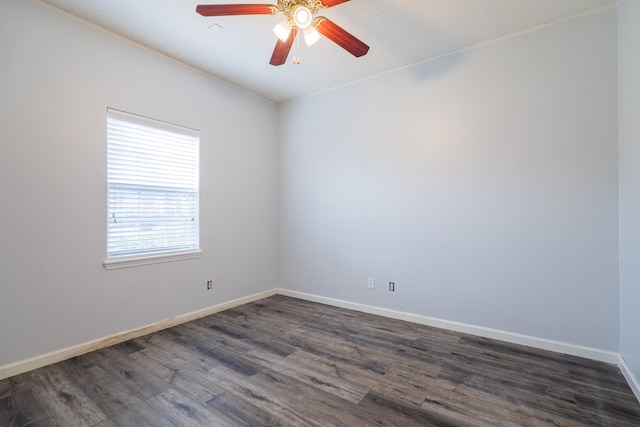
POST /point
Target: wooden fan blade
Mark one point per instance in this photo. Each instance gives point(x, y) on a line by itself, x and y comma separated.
point(340, 36)
point(331, 3)
point(236, 9)
point(281, 52)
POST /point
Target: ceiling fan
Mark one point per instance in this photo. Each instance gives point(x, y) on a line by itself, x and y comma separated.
point(300, 15)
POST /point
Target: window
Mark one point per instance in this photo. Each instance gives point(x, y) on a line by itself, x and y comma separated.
point(152, 191)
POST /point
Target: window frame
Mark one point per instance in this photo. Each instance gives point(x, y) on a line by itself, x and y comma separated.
point(140, 258)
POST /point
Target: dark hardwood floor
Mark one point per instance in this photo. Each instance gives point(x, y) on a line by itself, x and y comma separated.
point(287, 362)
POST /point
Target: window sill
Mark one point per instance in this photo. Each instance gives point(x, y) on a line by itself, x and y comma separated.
point(126, 262)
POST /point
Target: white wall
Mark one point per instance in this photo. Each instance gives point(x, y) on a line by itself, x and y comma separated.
point(483, 183)
point(57, 78)
point(629, 98)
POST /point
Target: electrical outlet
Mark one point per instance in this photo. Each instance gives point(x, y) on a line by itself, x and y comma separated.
point(372, 283)
point(209, 284)
point(392, 286)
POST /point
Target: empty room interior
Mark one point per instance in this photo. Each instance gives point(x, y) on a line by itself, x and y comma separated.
point(486, 194)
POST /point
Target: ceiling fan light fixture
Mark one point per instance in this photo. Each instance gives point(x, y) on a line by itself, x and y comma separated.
point(311, 35)
point(282, 30)
point(302, 16)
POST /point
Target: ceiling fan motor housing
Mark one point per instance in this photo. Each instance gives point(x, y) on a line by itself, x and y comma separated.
point(289, 7)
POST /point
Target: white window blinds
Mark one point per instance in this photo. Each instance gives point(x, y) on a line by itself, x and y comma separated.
point(152, 187)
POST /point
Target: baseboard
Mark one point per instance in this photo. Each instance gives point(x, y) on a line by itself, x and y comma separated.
point(22, 366)
point(632, 380)
point(544, 344)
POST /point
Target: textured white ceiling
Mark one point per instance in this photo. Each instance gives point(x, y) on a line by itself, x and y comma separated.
point(399, 32)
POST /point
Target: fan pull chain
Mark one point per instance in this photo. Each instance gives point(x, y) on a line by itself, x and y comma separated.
point(296, 50)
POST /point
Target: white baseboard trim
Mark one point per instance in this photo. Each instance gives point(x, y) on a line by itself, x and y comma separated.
point(22, 366)
point(541, 343)
point(632, 380)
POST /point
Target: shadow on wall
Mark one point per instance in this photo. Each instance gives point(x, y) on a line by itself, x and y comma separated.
point(436, 67)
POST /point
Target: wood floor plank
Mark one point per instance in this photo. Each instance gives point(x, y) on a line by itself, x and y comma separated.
point(260, 396)
point(318, 407)
point(287, 362)
point(307, 372)
point(64, 401)
point(106, 423)
point(24, 409)
point(13, 385)
point(515, 377)
point(618, 413)
point(165, 344)
point(315, 342)
point(394, 412)
point(179, 376)
point(250, 333)
point(515, 393)
point(242, 413)
point(183, 411)
point(216, 349)
point(132, 374)
point(118, 402)
point(413, 391)
point(487, 410)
